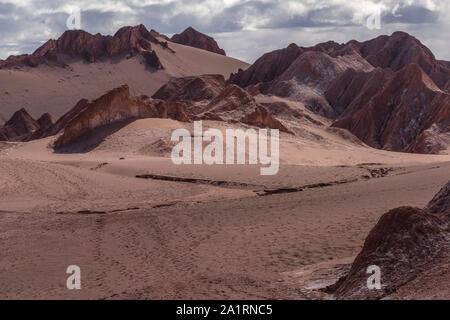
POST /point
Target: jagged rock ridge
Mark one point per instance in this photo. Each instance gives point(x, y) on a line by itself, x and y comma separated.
point(400, 112)
point(21, 126)
point(115, 106)
point(193, 38)
point(91, 48)
point(211, 98)
point(390, 91)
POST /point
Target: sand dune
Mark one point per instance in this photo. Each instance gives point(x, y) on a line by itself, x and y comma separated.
point(152, 239)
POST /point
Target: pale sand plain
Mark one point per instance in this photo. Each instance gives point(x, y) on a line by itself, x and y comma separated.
point(154, 239)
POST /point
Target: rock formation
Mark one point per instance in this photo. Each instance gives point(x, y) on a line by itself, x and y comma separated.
point(399, 50)
point(23, 127)
point(404, 244)
point(308, 77)
point(395, 117)
point(113, 107)
point(441, 201)
point(152, 60)
point(387, 52)
point(19, 126)
point(194, 88)
point(301, 74)
point(80, 44)
point(432, 140)
point(193, 38)
point(268, 67)
point(64, 120)
point(236, 105)
point(206, 97)
point(45, 123)
point(390, 92)
point(211, 98)
point(354, 89)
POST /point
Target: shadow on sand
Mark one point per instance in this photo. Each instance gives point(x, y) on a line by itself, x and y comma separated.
point(92, 139)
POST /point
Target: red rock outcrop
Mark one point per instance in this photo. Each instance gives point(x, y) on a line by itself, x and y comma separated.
point(441, 201)
point(46, 121)
point(235, 104)
point(132, 38)
point(302, 74)
point(268, 67)
point(194, 88)
point(91, 48)
point(19, 126)
point(113, 107)
point(64, 120)
point(338, 80)
point(394, 118)
point(261, 117)
point(433, 140)
point(209, 97)
point(156, 34)
point(172, 110)
point(29, 60)
point(354, 89)
point(308, 77)
point(318, 69)
point(193, 38)
point(404, 244)
point(152, 60)
point(399, 50)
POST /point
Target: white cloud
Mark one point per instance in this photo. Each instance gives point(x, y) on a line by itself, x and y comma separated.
point(246, 29)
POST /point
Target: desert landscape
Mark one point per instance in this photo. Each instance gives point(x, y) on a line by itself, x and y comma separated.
point(87, 179)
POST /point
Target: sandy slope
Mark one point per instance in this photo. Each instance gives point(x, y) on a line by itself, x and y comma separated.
point(40, 89)
point(220, 249)
point(162, 239)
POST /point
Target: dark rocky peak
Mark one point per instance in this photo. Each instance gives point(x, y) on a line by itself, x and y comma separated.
point(194, 38)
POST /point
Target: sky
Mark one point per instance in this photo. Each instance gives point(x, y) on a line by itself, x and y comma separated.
point(246, 29)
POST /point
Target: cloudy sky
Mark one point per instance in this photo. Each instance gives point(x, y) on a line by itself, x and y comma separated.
point(245, 29)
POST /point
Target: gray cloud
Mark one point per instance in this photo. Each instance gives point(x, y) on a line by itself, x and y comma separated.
point(246, 29)
point(412, 15)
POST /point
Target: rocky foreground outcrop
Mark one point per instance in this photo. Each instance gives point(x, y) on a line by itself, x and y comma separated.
point(404, 244)
point(432, 140)
point(79, 44)
point(207, 97)
point(21, 126)
point(441, 201)
point(195, 88)
point(115, 106)
point(194, 38)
